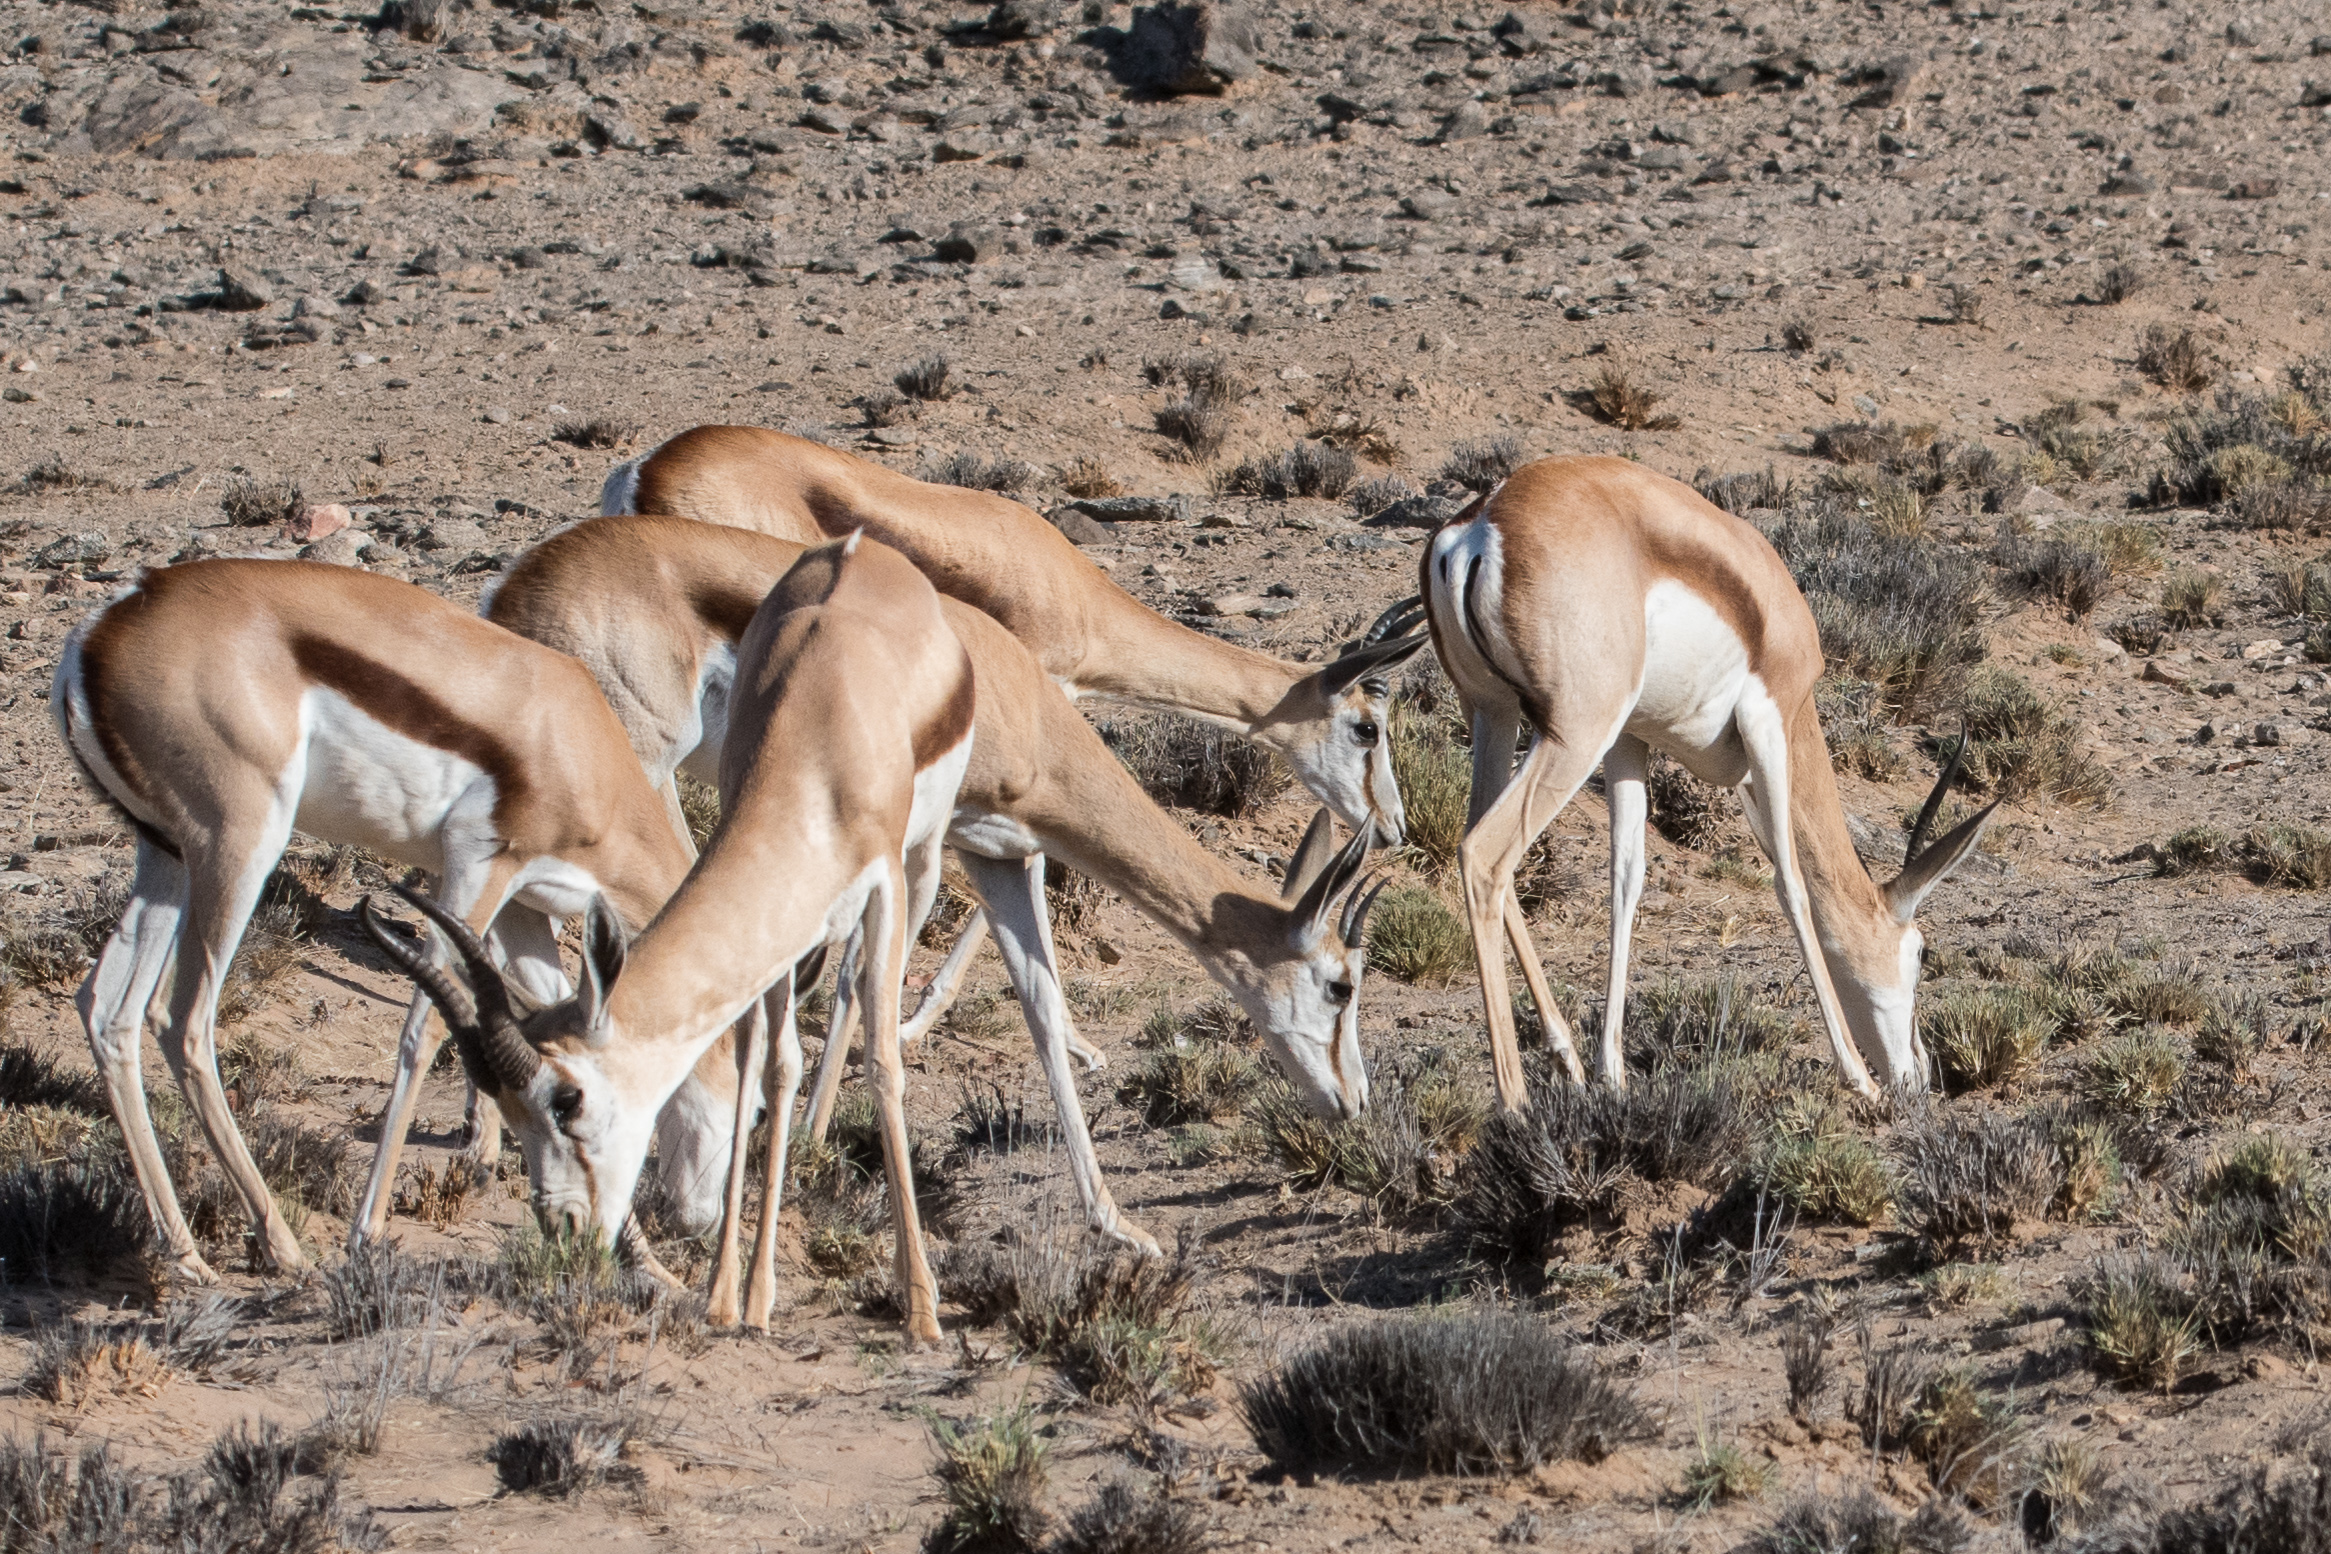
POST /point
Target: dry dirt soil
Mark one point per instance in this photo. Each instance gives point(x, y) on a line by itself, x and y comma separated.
point(446, 264)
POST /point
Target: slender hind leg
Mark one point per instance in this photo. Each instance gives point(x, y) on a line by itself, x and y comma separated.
point(115, 1001)
point(882, 946)
point(829, 1062)
point(1014, 892)
point(1550, 775)
point(1626, 771)
point(947, 981)
point(783, 1078)
point(1764, 797)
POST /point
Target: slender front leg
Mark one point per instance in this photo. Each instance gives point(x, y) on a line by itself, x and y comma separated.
point(1764, 798)
point(1626, 774)
point(784, 1082)
point(1014, 892)
point(1558, 1037)
point(752, 1033)
point(882, 947)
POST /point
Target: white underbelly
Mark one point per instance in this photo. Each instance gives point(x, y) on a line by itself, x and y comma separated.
point(990, 835)
point(1695, 668)
point(368, 784)
point(935, 788)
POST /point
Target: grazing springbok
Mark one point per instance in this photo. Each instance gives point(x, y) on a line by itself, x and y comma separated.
point(1325, 721)
point(223, 704)
point(850, 723)
point(654, 608)
point(1619, 612)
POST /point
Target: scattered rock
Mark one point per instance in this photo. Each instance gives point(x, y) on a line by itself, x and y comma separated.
point(455, 534)
point(1024, 18)
point(1468, 121)
point(242, 290)
point(1204, 47)
point(72, 550)
point(1134, 509)
point(316, 521)
point(969, 243)
point(1082, 528)
point(343, 548)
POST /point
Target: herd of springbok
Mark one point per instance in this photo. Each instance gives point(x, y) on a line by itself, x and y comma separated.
point(872, 668)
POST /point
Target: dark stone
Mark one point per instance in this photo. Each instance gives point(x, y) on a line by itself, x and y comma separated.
point(1082, 528)
point(968, 243)
point(1024, 18)
point(1203, 47)
point(242, 290)
point(1133, 509)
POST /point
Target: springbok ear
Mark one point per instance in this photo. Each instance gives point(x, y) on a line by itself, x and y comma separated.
point(1931, 867)
point(604, 946)
point(1311, 855)
point(1312, 911)
point(1341, 674)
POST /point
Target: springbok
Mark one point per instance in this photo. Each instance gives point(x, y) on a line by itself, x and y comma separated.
point(1619, 612)
point(222, 704)
point(653, 607)
point(850, 725)
point(1325, 721)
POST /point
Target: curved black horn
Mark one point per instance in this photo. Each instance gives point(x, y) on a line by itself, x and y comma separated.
point(447, 994)
point(1934, 800)
point(1356, 909)
point(511, 1057)
point(1401, 618)
point(1319, 899)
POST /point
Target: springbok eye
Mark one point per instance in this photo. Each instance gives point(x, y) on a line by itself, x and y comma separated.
point(1339, 992)
point(566, 1103)
point(1366, 733)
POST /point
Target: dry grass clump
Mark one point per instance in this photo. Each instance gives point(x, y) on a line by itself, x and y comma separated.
point(2136, 1074)
point(1478, 466)
point(1086, 476)
point(1902, 613)
point(1435, 774)
point(925, 379)
point(1969, 1178)
point(1535, 1173)
point(52, 476)
point(1858, 1522)
point(1414, 935)
point(1401, 1155)
point(2262, 1511)
point(1701, 1020)
point(1747, 492)
point(2116, 284)
point(993, 1473)
point(378, 1289)
point(1198, 1081)
point(2191, 598)
point(2143, 1326)
point(1799, 335)
point(1308, 469)
point(255, 503)
point(1985, 1036)
point(75, 1362)
point(602, 431)
point(1614, 395)
point(564, 1454)
point(2264, 453)
point(1125, 1518)
point(2177, 361)
point(1193, 765)
point(2020, 748)
point(1685, 810)
point(71, 1220)
point(248, 1493)
point(1719, 1473)
point(973, 473)
point(1123, 1327)
point(885, 407)
point(2295, 855)
point(1968, 306)
point(1468, 1394)
point(1198, 418)
point(1822, 1166)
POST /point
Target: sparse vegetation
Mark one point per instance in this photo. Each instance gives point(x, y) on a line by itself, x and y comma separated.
point(1401, 1154)
point(1901, 613)
point(1125, 1518)
point(596, 432)
point(974, 473)
point(1970, 1177)
point(254, 503)
point(1308, 469)
point(1415, 935)
point(1459, 1393)
point(2116, 284)
point(1985, 1036)
point(1435, 775)
point(993, 1473)
point(2191, 599)
point(2136, 1074)
point(925, 379)
point(53, 476)
point(2021, 748)
point(1478, 466)
point(2178, 360)
point(1197, 766)
point(1618, 398)
point(1719, 1473)
point(564, 1454)
point(1858, 1522)
point(1086, 476)
point(1198, 418)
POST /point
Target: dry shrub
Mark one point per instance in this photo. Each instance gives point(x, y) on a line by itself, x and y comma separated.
point(1820, 1165)
point(1746, 492)
point(568, 1452)
point(1435, 774)
point(1415, 936)
point(1201, 1081)
point(75, 1220)
point(1700, 1020)
point(1193, 765)
point(2295, 855)
point(2116, 284)
point(378, 1288)
point(2178, 362)
point(1308, 469)
point(1805, 1357)
point(1467, 1394)
point(973, 473)
point(1122, 1326)
point(52, 476)
point(596, 431)
point(2143, 1326)
point(1478, 466)
point(1618, 399)
point(925, 379)
point(884, 407)
point(1968, 306)
point(992, 1471)
point(2263, 1511)
point(1799, 335)
point(439, 1197)
point(1985, 1036)
point(1534, 1174)
point(1086, 476)
point(1902, 613)
point(1719, 1473)
point(76, 1362)
point(1858, 1522)
point(2022, 749)
point(1968, 1179)
point(1685, 810)
point(1125, 1518)
point(252, 503)
point(1198, 418)
point(1402, 1153)
point(2136, 1074)
point(2191, 598)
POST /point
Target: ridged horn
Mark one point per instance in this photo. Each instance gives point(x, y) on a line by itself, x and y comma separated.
point(508, 1055)
point(1357, 906)
point(1934, 800)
